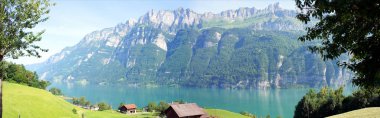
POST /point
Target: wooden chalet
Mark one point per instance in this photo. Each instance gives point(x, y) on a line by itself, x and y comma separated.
point(128, 108)
point(190, 110)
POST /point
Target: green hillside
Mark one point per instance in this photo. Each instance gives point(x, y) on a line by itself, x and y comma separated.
point(372, 112)
point(224, 113)
point(114, 114)
point(37, 103)
point(33, 103)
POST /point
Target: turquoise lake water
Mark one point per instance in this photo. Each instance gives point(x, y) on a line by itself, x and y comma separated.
point(276, 102)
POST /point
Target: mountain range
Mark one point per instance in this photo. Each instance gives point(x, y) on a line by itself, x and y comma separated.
point(242, 48)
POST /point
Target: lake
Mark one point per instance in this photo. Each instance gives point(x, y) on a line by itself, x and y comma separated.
point(276, 102)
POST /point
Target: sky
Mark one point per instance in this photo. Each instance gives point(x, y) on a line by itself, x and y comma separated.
point(70, 20)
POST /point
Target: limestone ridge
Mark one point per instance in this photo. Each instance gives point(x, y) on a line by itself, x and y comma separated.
point(186, 18)
point(242, 48)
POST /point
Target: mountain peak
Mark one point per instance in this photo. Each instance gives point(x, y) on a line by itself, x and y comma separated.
point(274, 7)
point(183, 18)
point(131, 22)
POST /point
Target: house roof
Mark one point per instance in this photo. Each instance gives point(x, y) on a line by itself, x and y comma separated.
point(130, 106)
point(190, 109)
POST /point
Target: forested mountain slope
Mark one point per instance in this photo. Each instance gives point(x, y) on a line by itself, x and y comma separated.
point(243, 48)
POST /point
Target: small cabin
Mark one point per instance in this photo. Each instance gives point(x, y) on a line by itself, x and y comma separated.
point(128, 108)
point(190, 110)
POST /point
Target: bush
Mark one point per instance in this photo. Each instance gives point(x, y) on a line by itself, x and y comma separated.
point(75, 111)
point(103, 106)
point(245, 113)
point(162, 106)
point(180, 101)
point(55, 91)
point(121, 105)
point(81, 101)
point(151, 106)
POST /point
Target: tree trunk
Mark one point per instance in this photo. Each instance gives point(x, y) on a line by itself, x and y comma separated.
point(1, 86)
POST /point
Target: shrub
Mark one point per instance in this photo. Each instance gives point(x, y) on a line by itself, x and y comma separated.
point(103, 106)
point(151, 106)
point(245, 113)
point(75, 111)
point(55, 91)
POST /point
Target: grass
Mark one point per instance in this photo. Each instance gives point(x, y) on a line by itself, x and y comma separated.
point(224, 113)
point(31, 102)
point(114, 114)
point(371, 112)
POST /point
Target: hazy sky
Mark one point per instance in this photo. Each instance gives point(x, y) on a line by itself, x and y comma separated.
point(70, 20)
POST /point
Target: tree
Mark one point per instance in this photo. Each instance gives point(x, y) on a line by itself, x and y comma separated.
point(55, 91)
point(17, 18)
point(121, 105)
point(325, 103)
point(16, 73)
point(104, 106)
point(82, 101)
point(346, 27)
point(87, 103)
point(180, 101)
point(92, 106)
point(151, 106)
point(75, 101)
point(162, 106)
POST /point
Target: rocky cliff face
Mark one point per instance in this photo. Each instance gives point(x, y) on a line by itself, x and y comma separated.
point(242, 48)
point(260, 19)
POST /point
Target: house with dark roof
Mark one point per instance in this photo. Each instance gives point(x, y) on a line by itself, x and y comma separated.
point(128, 108)
point(190, 110)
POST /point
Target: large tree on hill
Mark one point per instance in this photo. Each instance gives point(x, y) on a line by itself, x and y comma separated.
point(17, 19)
point(346, 27)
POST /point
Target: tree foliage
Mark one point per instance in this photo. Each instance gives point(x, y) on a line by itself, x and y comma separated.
point(17, 19)
point(81, 101)
point(317, 105)
point(121, 105)
point(328, 102)
point(160, 107)
point(151, 106)
point(55, 91)
point(103, 106)
point(18, 74)
point(245, 113)
point(346, 26)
